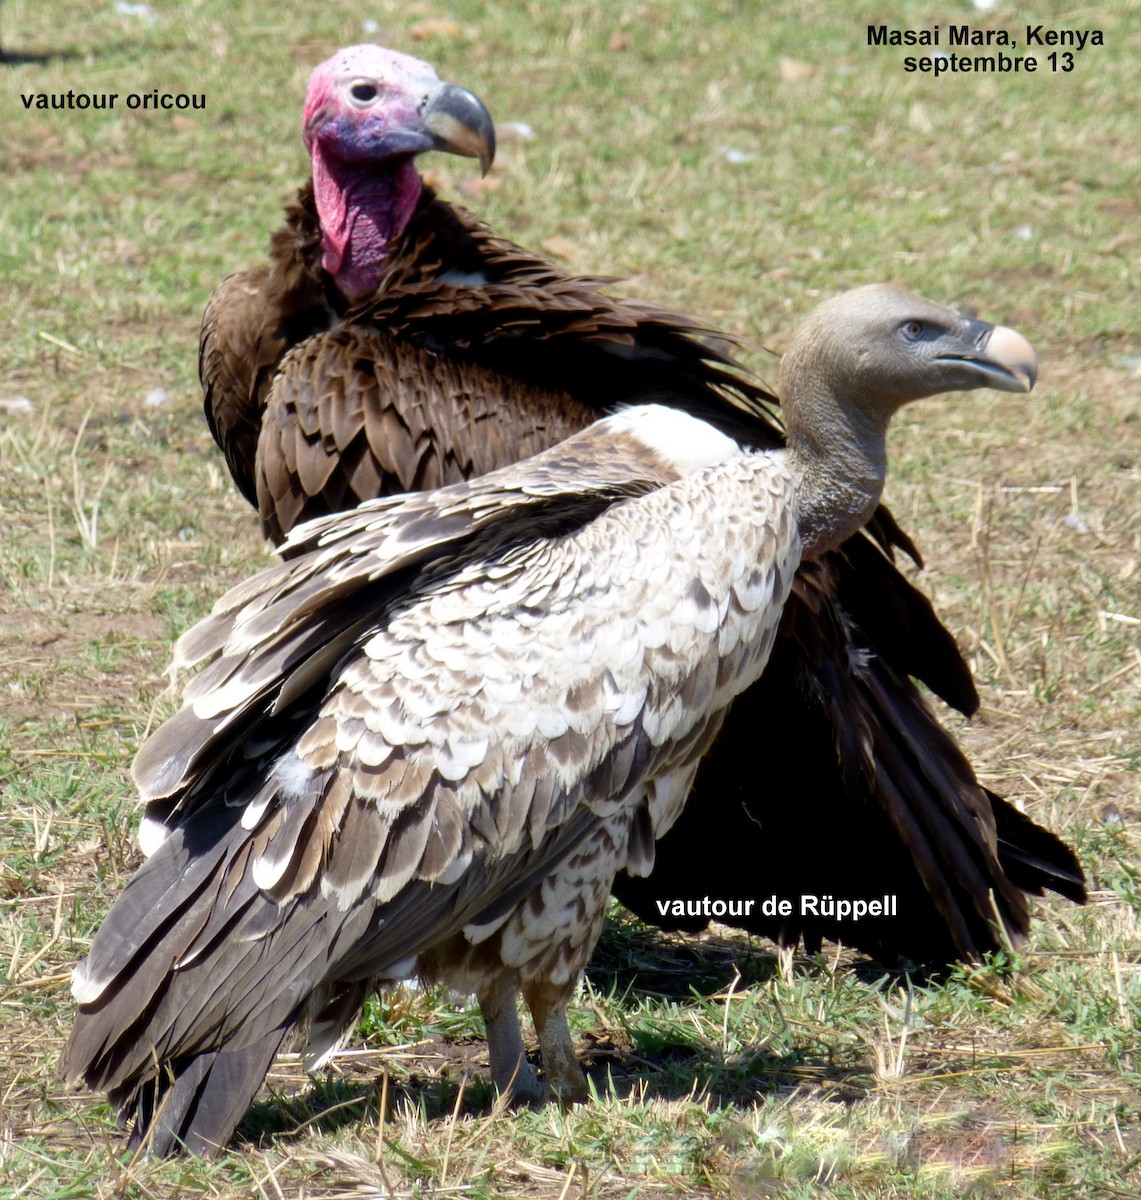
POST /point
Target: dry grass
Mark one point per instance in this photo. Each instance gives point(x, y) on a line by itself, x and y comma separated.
point(672, 147)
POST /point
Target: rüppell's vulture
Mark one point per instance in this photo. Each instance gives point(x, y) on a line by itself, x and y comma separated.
point(428, 740)
point(394, 343)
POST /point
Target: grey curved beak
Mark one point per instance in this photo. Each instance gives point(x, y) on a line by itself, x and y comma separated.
point(458, 122)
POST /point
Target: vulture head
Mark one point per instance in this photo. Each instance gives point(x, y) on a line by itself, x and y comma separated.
point(850, 365)
point(368, 112)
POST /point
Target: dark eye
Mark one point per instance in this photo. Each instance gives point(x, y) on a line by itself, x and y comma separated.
point(912, 330)
point(363, 92)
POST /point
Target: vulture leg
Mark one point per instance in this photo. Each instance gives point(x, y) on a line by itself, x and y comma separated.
point(511, 1073)
point(548, 1005)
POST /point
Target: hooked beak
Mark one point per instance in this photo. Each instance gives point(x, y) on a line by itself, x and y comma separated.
point(458, 122)
point(1004, 358)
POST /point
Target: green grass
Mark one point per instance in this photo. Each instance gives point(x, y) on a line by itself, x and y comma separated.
point(720, 1067)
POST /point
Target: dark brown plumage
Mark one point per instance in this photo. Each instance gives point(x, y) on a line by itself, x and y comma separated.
point(470, 352)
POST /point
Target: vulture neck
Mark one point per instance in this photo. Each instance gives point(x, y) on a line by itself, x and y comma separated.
point(363, 209)
point(837, 451)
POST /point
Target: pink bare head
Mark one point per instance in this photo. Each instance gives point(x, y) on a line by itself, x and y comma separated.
point(368, 112)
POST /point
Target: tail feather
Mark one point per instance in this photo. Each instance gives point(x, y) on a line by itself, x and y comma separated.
point(182, 1049)
point(197, 1103)
point(181, 1041)
point(1035, 859)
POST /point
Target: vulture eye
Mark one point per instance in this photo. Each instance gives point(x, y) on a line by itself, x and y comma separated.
point(364, 92)
point(912, 330)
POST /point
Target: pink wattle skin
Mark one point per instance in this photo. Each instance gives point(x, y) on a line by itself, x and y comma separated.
point(363, 203)
point(362, 208)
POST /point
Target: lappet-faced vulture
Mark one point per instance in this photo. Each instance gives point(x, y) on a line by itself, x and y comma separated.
point(428, 740)
point(394, 343)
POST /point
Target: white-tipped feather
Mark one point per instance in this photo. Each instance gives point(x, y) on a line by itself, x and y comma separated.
point(152, 834)
point(455, 758)
point(268, 869)
point(255, 810)
point(84, 989)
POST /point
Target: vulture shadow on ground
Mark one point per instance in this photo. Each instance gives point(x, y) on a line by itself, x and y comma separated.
point(336, 1104)
point(673, 966)
point(23, 58)
point(631, 959)
point(677, 1071)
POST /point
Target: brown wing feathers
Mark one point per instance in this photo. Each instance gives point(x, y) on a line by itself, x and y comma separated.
point(251, 322)
point(357, 414)
point(569, 350)
point(896, 621)
point(519, 314)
